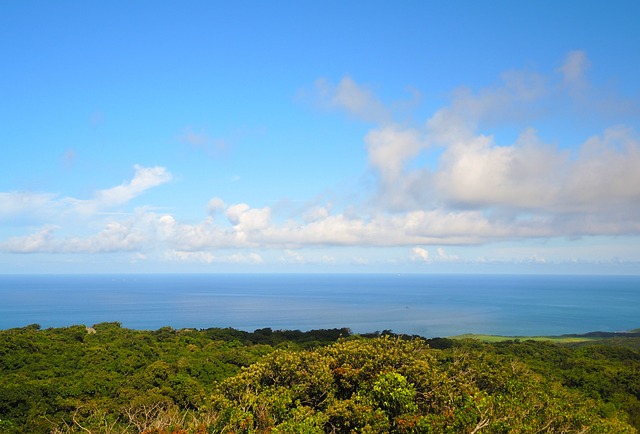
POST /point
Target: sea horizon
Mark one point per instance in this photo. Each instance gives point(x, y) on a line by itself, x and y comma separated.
point(429, 305)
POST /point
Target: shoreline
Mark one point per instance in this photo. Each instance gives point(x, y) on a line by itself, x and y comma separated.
point(594, 336)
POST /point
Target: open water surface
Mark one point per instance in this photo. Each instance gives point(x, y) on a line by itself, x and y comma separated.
point(427, 305)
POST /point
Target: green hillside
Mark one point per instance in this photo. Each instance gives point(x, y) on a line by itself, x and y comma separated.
point(108, 379)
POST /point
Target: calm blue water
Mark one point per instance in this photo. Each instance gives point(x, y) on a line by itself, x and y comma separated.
point(427, 305)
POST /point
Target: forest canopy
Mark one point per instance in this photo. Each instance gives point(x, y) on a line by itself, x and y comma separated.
point(109, 379)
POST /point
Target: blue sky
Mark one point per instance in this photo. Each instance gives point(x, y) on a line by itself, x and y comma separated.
point(327, 136)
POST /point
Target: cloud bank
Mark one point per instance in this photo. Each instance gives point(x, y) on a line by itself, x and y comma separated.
point(445, 181)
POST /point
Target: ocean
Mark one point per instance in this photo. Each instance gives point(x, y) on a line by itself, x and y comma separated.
point(421, 304)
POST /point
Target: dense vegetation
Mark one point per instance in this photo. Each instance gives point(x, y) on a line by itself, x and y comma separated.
point(108, 379)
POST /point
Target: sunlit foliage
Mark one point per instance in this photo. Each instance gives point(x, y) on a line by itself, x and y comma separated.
point(108, 379)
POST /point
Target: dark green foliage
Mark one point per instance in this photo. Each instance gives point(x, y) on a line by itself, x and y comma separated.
point(109, 379)
point(395, 385)
point(274, 338)
point(601, 371)
point(68, 376)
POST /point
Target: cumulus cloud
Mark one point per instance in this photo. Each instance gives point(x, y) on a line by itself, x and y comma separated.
point(296, 257)
point(530, 176)
point(215, 205)
point(247, 221)
point(390, 147)
point(115, 236)
point(605, 175)
point(444, 256)
point(316, 213)
point(393, 149)
point(446, 181)
point(30, 206)
point(527, 187)
point(210, 257)
point(420, 254)
point(39, 241)
point(193, 237)
point(252, 228)
point(144, 179)
point(479, 173)
point(252, 257)
point(127, 234)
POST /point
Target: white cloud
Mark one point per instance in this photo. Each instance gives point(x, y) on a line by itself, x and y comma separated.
point(194, 237)
point(444, 256)
point(527, 188)
point(390, 147)
point(246, 220)
point(537, 259)
point(296, 257)
point(420, 254)
point(605, 176)
point(36, 242)
point(138, 257)
point(197, 257)
point(144, 179)
point(215, 205)
point(479, 173)
point(316, 213)
point(248, 227)
point(242, 258)
point(20, 205)
point(128, 234)
point(602, 177)
point(445, 182)
point(210, 258)
point(47, 207)
point(116, 236)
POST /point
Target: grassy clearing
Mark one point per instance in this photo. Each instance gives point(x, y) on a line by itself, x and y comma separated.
point(557, 339)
